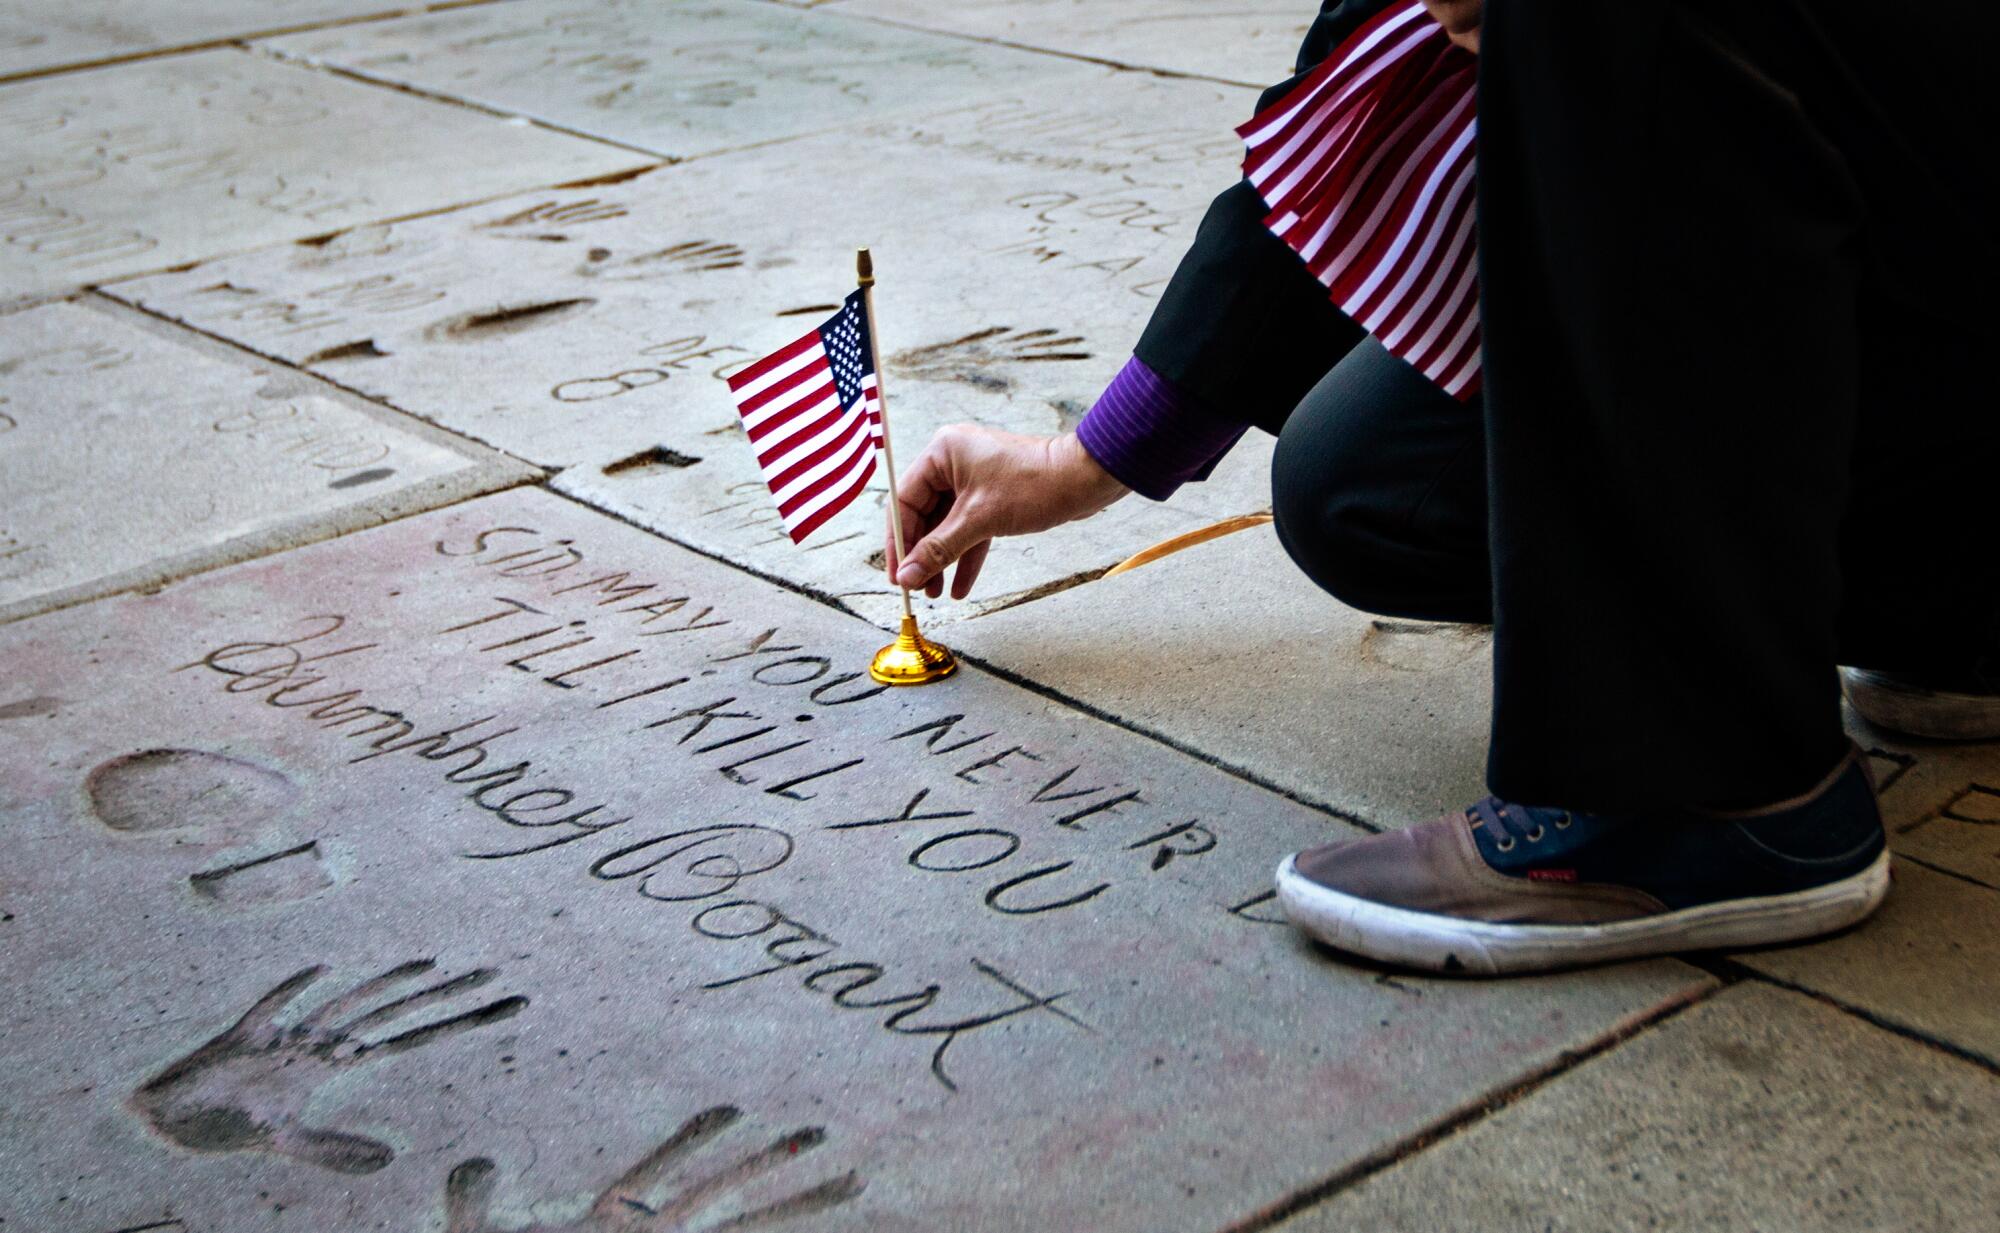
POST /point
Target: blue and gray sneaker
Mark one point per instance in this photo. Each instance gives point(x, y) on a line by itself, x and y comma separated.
point(1507, 888)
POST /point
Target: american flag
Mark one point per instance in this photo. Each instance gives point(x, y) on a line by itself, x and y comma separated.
point(1367, 167)
point(814, 415)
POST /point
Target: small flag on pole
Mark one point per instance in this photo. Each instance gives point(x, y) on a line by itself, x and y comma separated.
point(816, 417)
point(813, 411)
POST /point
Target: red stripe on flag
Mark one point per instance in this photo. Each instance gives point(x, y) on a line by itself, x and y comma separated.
point(1366, 169)
point(777, 359)
point(781, 422)
point(779, 390)
point(820, 515)
point(797, 501)
point(779, 447)
point(841, 441)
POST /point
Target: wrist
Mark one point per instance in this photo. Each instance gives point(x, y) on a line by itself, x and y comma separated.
point(1095, 486)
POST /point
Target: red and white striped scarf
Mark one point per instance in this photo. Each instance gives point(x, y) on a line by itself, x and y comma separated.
point(1367, 167)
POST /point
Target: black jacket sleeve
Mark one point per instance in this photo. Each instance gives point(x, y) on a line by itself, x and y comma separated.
point(1243, 326)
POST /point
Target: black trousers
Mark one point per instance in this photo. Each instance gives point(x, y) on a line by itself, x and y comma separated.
point(1379, 486)
point(1737, 282)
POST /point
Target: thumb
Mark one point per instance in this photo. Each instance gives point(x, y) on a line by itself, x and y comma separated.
point(947, 542)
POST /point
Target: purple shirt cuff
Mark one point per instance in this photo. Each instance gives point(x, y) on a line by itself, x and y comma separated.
point(1151, 436)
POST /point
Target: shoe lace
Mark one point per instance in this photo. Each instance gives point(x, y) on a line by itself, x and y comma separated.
point(1511, 824)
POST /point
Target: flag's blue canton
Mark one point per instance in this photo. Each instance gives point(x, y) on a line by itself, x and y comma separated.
point(845, 336)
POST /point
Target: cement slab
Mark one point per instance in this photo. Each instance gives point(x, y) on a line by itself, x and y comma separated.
point(1389, 718)
point(132, 452)
point(507, 867)
point(1756, 1110)
point(87, 31)
point(679, 78)
point(1925, 962)
point(1943, 804)
point(1254, 44)
point(153, 164)
point(1226, 648)
point(1021, 246)
point(1386, 722)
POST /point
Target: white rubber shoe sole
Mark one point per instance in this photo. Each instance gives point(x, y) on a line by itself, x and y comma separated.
point(1438, 943)
point(1889, 702)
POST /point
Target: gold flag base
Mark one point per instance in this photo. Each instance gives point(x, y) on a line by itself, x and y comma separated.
point(912, 659)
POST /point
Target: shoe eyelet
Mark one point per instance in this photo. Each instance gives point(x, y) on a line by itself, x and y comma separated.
point(1535, 836)
point(1506, 845)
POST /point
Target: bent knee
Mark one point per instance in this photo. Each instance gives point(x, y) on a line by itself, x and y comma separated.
point(1325, 528)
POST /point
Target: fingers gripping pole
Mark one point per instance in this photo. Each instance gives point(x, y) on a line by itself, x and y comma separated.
point(911, 659)
point(864, 269)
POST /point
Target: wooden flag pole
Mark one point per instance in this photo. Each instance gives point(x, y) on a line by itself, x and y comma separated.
point(864, 269)
point(911, 659)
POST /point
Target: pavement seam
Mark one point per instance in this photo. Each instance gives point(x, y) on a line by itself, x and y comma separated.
point(1947, 872)
point(1739, 972)
point(548, 472)
point(1012, 678)
point(458, 100)
point(310, 64)
point(1466, 1118)
point(1244, 773)
point(995, 41)
point(237, 39)
point(829, 599)
point(536, 476)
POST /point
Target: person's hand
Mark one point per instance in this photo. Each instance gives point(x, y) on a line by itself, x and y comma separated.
point(1460, 19)
point(972, 484)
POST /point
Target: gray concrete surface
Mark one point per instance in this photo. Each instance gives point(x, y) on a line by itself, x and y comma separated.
point(975, 936)
point(507, 868)
point(1757, 1110)
point(677, 77)
point(1020, 243)
point(1254, 44)
point(39, 37)
point(152, 164)
point(132, 453)
point(1925, 962)
point(1381, 719)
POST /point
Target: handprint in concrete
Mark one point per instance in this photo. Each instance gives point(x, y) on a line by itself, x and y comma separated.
point(247, 1090)
point(705, 1201)
point(971, 359)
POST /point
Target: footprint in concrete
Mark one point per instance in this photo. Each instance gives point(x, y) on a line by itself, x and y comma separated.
point(157, 790)
point(1422, 646)
point(971, 359)
point(712, 1198)
point(247, 1089)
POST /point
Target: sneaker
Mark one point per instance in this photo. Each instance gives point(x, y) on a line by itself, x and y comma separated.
point(1513, 888)
point(1960, 708)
